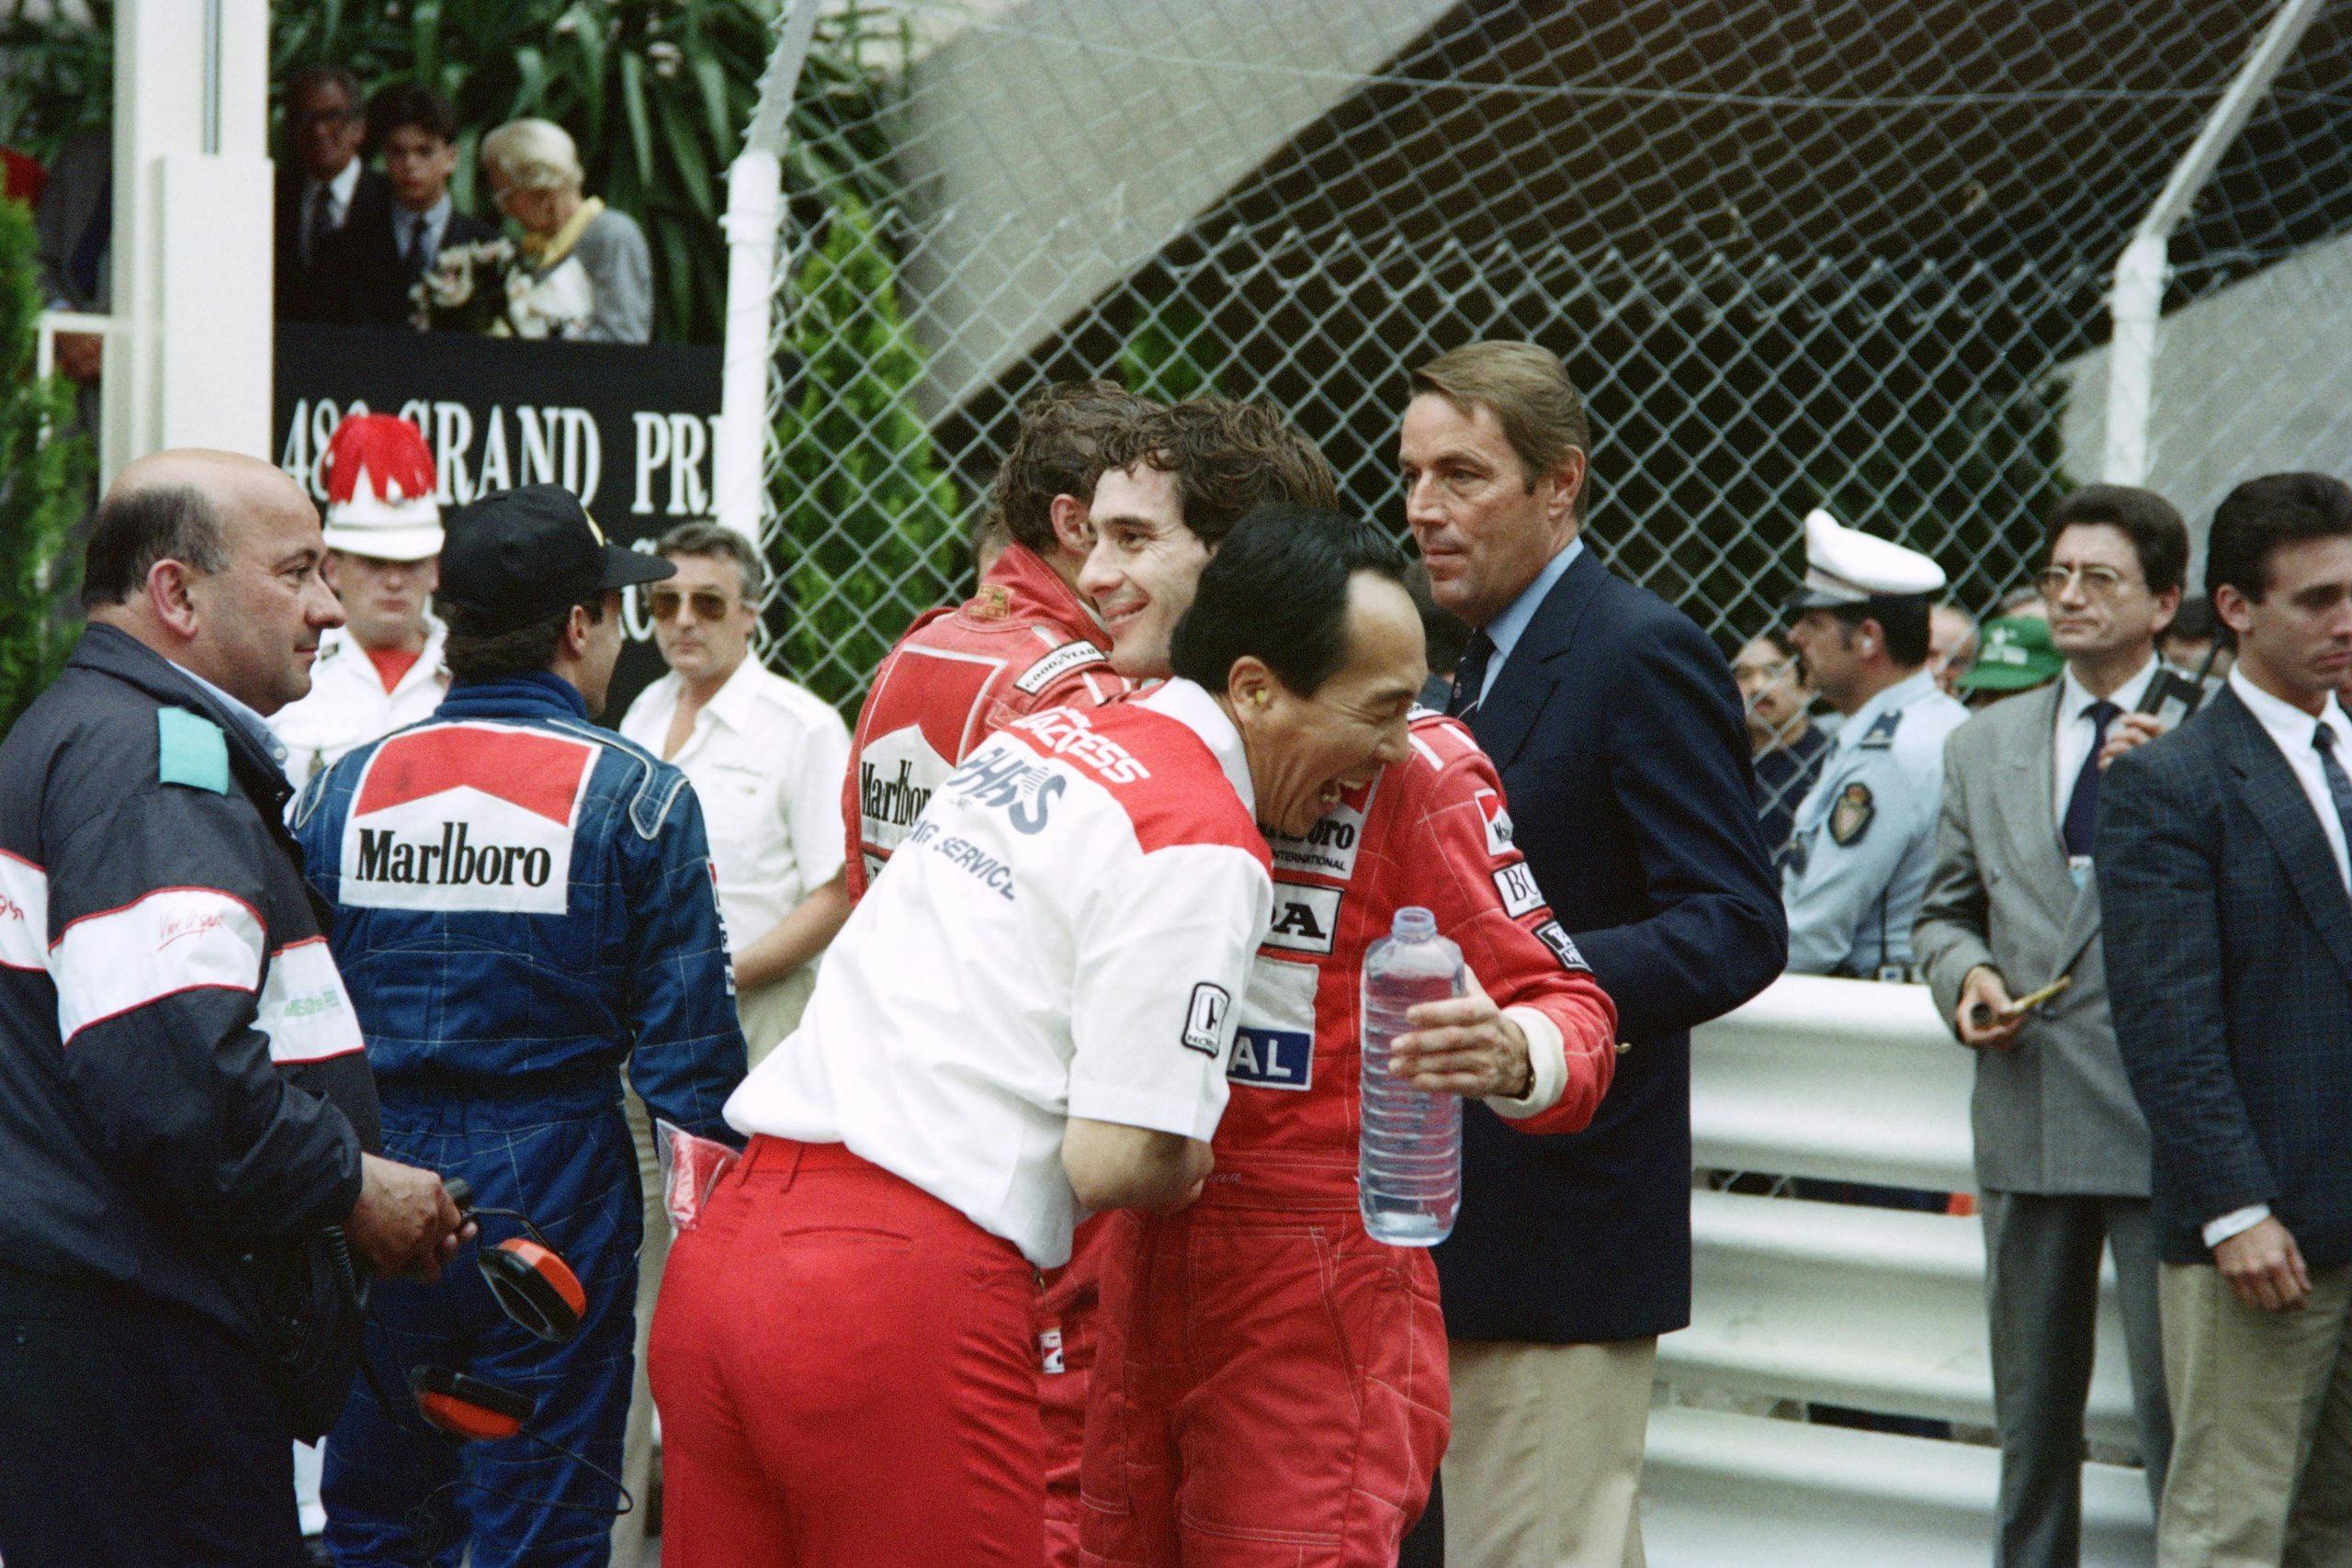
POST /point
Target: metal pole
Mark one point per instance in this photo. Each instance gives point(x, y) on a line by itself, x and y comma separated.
point(2137, 297)
point(754, 208)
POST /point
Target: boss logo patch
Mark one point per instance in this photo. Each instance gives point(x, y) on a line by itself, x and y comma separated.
point(1271, 1058)
point(1515, 884)
point(1307, 919)
point(1205, 1019)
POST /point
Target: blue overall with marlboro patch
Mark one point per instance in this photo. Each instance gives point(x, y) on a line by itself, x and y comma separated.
point(524, 904)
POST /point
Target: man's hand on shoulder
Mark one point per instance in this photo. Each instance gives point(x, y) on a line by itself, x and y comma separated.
point(2264, 1267)
point(1982, 988)
point(405, 1222)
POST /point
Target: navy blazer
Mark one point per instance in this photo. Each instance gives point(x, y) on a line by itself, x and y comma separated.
point(1625, 759)
point(313, 293)
point(2229, 957)
point(372, 280)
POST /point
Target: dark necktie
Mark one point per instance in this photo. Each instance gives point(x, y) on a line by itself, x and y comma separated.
point(319, 224)
point(2339, 784)
point(2081, 830)
point(412, 255)
point(1470, 675)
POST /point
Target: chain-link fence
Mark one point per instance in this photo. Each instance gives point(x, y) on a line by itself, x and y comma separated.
point(1844, 250)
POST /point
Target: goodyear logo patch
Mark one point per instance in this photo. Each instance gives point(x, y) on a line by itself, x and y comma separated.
point(1070, 656)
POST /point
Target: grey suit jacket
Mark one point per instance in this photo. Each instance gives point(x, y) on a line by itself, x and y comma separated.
point(2055, 1114)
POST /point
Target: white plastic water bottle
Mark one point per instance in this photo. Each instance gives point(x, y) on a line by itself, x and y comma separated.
point(1408, 1162)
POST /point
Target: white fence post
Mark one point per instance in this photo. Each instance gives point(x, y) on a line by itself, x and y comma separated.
point(754, 206)
point(2137, 297)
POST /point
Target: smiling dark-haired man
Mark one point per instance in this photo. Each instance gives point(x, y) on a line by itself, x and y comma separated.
point(1191, 1393)
point(1031, 1015)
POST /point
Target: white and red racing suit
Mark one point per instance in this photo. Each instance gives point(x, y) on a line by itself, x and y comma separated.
point(1023, 644)
point(1270, 1383)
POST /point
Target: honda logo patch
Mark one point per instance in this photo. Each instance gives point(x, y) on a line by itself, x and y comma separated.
point(1205, 1019)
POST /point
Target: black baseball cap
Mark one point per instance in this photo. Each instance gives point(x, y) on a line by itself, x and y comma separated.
point(529, 554)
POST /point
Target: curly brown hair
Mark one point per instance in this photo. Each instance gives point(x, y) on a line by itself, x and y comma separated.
point(1227, 458)
point(1059, 449)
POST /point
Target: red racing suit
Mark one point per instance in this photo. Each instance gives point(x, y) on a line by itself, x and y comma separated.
point(1270, 1383)
point(1023, 644)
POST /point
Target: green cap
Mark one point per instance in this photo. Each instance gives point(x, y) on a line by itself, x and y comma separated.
point(2017, 653)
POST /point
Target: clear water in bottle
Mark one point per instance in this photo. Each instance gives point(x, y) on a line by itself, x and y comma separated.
point(1408, 1162)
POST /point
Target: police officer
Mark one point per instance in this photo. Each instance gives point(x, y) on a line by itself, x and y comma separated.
point(184, 1102)
point(523, 901)
point(1865, 833)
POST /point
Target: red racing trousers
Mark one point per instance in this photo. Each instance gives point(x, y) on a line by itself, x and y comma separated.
point(847, 1370)
point(1269, 1390)
point(1066, 1336)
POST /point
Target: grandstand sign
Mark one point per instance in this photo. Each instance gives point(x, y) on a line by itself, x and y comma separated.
point(626, 427)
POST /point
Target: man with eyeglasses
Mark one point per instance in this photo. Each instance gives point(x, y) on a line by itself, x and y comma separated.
point(320, 189)
point(765, 756)
point(1858, 857)
point(2011, 908)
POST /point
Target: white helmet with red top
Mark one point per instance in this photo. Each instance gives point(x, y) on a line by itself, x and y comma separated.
point(379, 489)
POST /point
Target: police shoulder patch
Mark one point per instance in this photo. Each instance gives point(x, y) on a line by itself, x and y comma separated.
point(191, 750)
point(1849, 819)
point(1879, 735)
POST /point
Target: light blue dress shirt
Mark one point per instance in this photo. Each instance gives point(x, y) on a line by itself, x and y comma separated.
point(1504, 630)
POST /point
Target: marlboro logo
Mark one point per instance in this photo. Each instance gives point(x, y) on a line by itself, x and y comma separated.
point(466, 817)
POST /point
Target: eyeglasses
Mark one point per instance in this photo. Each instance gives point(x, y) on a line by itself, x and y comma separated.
point(305, 118)
point(2099, 582)
point(710, 604)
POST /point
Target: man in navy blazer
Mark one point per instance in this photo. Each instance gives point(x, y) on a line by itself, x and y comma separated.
point(1625, 757)
point(2227, 900)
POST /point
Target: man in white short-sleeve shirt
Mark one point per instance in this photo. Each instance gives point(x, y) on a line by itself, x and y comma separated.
point(766, 758)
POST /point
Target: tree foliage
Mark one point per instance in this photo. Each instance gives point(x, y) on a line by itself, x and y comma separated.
point(44, 469)
point(870, 538)
point(1160, 359)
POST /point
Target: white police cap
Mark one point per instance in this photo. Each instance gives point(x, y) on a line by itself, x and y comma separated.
point(1846, 566)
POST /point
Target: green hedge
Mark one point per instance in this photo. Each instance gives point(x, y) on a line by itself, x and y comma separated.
point(44, 472)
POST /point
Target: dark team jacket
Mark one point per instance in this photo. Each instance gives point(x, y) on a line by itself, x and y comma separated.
point(184, 1095)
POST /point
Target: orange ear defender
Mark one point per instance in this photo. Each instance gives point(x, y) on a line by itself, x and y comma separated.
point(466, 1406)
point(534, 1287)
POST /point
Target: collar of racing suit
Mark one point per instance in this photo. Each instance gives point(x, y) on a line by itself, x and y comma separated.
point(1037, 590)
point(539, 694)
